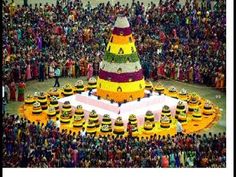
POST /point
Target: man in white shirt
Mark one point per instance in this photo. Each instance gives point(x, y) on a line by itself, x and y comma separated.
point(179, 128)
point(83, 132)
point(57, 123)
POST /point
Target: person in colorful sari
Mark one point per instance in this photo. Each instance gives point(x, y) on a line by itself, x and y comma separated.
point(28, 72)
point(13, 91)
point(21, 91)
point(90, 71)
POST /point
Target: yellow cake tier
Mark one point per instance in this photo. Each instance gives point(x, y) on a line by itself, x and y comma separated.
point(65, 119)
point(117, 39)
point(183, 97)
point(197, 116)
point(91, 128)
point(120, 96)
point(208, 112)
point(165, 124)
point(121, 87)
point(121, 49)
point(119, 129)
point(159, 90)
point(182, 118)
point(78, 123)
point(29, 101)
point(37, 111)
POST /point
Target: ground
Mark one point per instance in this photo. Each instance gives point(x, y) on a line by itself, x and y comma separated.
point(205, 92)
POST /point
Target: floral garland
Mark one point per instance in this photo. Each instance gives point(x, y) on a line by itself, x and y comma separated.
point(126, 58)
point(125, 67)
point(124, 87)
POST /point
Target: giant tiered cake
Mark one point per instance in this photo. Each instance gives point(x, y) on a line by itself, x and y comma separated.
point(121, 76)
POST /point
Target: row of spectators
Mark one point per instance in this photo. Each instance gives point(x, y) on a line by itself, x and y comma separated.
point(177, 41)
point(32, 144)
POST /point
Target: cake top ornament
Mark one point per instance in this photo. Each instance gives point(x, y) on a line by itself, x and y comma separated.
point(79, 83)
point(172, 89)
point(120, 76)
point(183, 91)
point(165, 119)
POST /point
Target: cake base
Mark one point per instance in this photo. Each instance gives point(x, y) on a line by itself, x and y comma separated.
point(90, 102)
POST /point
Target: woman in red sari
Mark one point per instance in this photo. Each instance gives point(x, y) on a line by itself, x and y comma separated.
point(13, 91)
point(21, 91)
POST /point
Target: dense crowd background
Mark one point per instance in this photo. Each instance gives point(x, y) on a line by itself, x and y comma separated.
point(31, 144)
point(185, 42)
point(181, 42)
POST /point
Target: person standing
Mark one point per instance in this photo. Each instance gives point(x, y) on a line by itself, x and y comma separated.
point(7, 92)
point(41, 71)
point(90, 71)
point(57, 75)
point(179, 128)
point(129, 129)
point(21, 91)
point(13, 91)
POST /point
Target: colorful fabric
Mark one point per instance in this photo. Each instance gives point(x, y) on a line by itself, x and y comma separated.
point(111, 57)
point(124, 77)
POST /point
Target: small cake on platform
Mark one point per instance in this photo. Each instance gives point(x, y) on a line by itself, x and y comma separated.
point(166, 112)
point(37, 108)
point(54, 103)
point(159, 88)
point(193, 102)
point(78, 117)
point(183, 95)
point(29, 100)
point(106, 124)
point(165, 122)
point(53, 92)
point(79, 86)
point(148, 127)
point(51, 112)
point(179, 108)
point(66, 107)
point(197, 115)
point(65, 117)
point(182, 117)
point(93, 116)
point(172, 92)
point(119, 128)
point(42, 99)
point(67, 90)
point(134, 123)
point(208, 109)
point(148, 85)
point(149, 117)
point(91, 128)
point(92, 83)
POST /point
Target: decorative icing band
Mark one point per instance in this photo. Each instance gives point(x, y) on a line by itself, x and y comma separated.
point(121, 87)
point(123, 77)
point(125, 67)
point(123, 49)
point(122, 31)
point(120, 97)
point(113, 58)
point(115, 39)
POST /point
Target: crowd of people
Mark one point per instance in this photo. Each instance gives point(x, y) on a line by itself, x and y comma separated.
point(32, 144)
point(184, 42)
